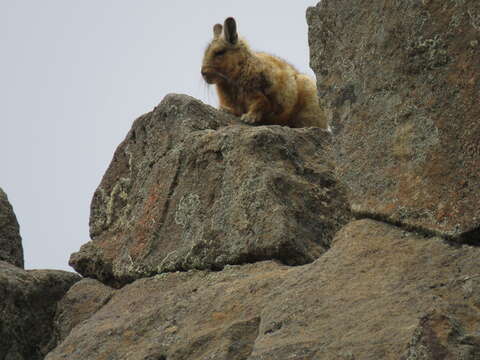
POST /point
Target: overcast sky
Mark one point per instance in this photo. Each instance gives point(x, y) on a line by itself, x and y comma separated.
point(74, 75)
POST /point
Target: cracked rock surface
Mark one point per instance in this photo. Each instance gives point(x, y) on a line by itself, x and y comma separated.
point(191, 188)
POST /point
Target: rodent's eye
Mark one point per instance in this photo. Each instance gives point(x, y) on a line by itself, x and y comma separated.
point(220, 52)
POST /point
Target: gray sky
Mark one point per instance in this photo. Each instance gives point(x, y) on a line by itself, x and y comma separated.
point(75, 75)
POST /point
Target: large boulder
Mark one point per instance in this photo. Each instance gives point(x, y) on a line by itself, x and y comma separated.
point(28, 302)
point(401, 81)
point(378, 293)
point(11, 249)
point(192, 188)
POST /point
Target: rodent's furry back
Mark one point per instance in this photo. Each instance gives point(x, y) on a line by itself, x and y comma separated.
point(259, 87)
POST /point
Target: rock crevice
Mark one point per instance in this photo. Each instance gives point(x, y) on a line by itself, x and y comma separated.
point(471, 238)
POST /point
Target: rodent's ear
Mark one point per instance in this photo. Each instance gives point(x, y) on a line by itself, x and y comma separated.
point(217, 30)
point(230, 29)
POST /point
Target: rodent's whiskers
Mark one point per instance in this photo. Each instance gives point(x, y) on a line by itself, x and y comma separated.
point(206, 89)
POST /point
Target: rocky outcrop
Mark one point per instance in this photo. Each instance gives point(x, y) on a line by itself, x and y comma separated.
point(379, 293)
point(186, 191)
point(401, 81)
point(201, 215)
point(27, 307)
point(10, 241)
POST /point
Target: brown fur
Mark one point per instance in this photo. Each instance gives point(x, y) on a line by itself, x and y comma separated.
point(259, 87)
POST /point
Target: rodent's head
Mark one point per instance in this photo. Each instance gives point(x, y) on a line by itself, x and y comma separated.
point(225, 55)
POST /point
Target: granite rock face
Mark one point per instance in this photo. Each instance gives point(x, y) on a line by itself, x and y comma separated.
point(401, 82)
point(11, 249)
point(378, 293)
point(191, 188)
point(27, 308)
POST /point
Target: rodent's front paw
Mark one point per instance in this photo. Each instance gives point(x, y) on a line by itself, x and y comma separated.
point(227, 110)
point(250, 118)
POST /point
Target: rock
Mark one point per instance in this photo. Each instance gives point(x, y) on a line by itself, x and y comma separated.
point(378, 293)
point(10, 240)
point(27, 302)
point(81, 301)
point(401, 83)
point(368, 298)
point(440, 336)
point(191, 188)
point(182, 315)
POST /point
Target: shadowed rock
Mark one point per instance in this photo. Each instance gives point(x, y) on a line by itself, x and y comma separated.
point(401, 82)
point(186, 191)
point(81, 301)
point(27, 307)
point(11, 249)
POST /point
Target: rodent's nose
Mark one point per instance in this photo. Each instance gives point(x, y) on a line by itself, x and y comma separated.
point(207, 76)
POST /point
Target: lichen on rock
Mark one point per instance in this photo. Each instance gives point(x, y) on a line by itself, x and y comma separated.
point(192, 188)
point(400, 81)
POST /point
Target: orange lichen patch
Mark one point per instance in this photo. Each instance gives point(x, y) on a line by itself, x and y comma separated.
point(108, 244)
point(444, 212)
point(408, 186)
point(219, 316)
point(145, 224)
point(389, 207)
